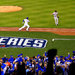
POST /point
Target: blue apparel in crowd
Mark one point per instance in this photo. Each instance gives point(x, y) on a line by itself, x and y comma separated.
point(3, 66)
point(4, 59)
point(11, 59)
point(38, 62)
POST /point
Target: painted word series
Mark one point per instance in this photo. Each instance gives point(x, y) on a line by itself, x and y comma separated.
point(22, 42)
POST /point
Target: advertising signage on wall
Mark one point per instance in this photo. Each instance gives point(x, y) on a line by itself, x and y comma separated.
point(6, 42)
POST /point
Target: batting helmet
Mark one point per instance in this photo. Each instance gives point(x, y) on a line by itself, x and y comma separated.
point(26, 17)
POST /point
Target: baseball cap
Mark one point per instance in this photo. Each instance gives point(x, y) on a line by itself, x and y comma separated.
point(26, 17)
point(11, 55)
point(18, 55)
point(73, 51)
point(21, 54)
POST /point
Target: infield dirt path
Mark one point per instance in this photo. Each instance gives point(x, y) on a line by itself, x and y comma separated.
point(60, 31)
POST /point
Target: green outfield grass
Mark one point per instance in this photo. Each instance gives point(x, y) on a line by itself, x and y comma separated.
point(39, 13)
point(63, 47)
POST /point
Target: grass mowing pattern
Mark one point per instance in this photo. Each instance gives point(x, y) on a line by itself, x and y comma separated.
point(39, 13)
point(63, 47)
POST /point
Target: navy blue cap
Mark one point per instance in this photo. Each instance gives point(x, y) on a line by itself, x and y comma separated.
point(61, 56)
point(26, 17)
point(21, 54)
point(73, 52)
point(18, 55)
point(38, 55)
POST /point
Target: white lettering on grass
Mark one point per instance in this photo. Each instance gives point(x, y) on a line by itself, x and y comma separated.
point(13, 41)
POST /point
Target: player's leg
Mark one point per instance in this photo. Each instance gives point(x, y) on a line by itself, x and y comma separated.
point(27, 28)
point(55, 20)
point(21, 27)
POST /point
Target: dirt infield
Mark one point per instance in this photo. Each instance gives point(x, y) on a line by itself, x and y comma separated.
point(10, 8)
point(60, 31)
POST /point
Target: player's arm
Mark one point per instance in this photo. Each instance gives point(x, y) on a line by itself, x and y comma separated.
point(23, 22)
point(1, 69)
point(53, 13)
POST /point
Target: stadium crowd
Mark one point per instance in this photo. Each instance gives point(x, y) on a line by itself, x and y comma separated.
point(35, 65)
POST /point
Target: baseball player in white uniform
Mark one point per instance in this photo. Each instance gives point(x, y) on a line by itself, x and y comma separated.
point(25, 21)
point(56, 17)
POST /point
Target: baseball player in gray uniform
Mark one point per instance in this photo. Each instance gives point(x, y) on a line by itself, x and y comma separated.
point(56, 17)
point(25, 21)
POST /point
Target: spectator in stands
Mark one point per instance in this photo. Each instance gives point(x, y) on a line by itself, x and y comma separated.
point(11, 59)
point(59, 71)
point(3, 67)
point(21, 69)
point(51, 54)
point(48, 64)
point(71, 69)
point(4, 59)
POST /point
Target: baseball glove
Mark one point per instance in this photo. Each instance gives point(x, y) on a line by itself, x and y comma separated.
point(58, 16)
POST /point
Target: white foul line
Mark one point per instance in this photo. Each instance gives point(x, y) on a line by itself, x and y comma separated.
point(61, 39)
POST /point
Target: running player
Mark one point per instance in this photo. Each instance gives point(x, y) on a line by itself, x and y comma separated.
point(25, 21)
